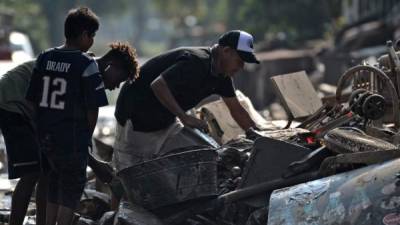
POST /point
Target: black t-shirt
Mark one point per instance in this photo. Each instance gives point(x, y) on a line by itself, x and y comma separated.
point(187, 72)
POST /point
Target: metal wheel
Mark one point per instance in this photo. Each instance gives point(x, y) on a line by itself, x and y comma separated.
point(356, 70)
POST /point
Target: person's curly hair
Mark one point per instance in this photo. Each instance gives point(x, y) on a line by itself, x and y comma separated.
point(126, 54)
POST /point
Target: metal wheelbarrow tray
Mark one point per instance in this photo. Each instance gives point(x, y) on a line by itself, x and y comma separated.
point(172, 179)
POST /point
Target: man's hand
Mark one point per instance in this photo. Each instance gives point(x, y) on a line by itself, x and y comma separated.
point(253, 133)
point(193, 122)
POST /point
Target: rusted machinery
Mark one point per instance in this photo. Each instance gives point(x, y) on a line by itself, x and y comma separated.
point(232, 183)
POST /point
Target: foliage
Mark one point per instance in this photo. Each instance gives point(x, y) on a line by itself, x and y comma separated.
point(293, 20)
point(207, 16)
point(185, 21)
point(298, 20)
point(28, 18)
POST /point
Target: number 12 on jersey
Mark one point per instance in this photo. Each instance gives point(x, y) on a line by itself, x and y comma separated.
point(58, 87)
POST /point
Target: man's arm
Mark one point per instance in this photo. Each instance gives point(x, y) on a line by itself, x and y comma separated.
point(239, 113)
point(164, 95)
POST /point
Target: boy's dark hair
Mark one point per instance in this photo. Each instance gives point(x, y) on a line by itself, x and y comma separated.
point(126, 54)
point(79, 20)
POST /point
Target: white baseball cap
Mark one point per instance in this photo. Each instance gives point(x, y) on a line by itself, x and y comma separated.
point(242, 42)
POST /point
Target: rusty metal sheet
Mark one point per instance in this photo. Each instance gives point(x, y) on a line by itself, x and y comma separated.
point(348, 140)
point(297, 94)
point(370, 195)
point(283, 134)
point(268, 161)
point(133, 214)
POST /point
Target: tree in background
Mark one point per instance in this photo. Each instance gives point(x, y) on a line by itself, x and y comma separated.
point(181, 22)
point(55, 12)
point(28, 18)
point(43, 20)
point(193, 22)
point(293, 20)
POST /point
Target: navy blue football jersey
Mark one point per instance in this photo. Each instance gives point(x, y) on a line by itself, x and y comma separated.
point(65, 84)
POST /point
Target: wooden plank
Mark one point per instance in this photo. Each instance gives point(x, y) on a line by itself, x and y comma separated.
point(297, 94)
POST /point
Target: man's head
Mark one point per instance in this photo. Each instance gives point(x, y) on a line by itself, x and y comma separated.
point(80, 27)
point(120, 63)
point(236, 49)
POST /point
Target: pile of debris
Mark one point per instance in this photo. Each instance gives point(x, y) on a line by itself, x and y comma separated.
point(333, 162)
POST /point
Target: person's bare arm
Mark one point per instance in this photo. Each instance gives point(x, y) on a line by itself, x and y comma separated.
point(239, 113)
point(164, 95)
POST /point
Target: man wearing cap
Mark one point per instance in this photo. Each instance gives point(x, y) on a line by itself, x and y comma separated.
point(151, 111)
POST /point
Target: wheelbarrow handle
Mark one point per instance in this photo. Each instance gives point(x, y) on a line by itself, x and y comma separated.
point(265, 187)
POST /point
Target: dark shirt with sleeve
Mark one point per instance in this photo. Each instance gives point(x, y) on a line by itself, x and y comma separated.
point(187, 72)
point(65, 85)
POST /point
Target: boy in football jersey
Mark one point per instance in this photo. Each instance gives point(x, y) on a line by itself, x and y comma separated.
point(117, 65)
point(66, 90)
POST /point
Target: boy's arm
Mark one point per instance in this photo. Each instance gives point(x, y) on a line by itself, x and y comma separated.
point(92, 119)
point(33, 92)
point(94, 93)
